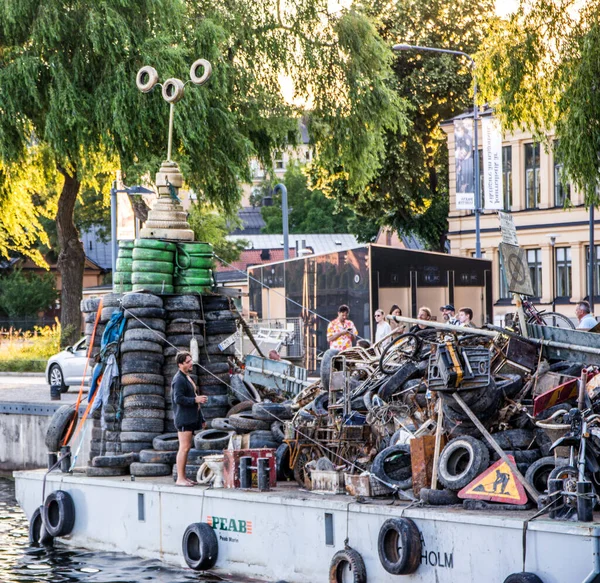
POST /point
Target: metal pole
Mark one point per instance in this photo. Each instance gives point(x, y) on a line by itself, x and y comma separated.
point(476, 167)
point(113, 226)
point(170, 143)
point(591, 261)
point(553, 274)
point(284, 213)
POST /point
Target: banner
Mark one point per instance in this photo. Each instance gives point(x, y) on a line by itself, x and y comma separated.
point(492, 163)
point(463, 156)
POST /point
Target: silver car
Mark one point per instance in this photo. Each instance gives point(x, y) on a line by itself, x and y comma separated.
point(66, 368)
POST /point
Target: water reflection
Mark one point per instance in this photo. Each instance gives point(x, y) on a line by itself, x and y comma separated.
point(20, 563)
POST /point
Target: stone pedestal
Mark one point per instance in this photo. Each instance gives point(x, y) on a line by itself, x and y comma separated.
point(167, 219)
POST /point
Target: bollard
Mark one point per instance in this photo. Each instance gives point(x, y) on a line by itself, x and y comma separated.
point(55, 392)
point(65, 461)
point(52, 458)
point(554, 492)
point(263, 474)
point(246, 472)
point(585, 501)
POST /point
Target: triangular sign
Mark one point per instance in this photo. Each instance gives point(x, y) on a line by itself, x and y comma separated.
point(497, 484)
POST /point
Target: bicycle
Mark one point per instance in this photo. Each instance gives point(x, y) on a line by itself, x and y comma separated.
point(543, 318)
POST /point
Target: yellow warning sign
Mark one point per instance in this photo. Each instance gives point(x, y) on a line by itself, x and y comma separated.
point(497, 484)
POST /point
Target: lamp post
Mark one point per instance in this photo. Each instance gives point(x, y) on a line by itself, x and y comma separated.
point(592, 261)
point(477, 194)
point(553, 237)
point(284, 217)
point(116, 188)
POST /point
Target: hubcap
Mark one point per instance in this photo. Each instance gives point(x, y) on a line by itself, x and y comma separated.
point(56, 376)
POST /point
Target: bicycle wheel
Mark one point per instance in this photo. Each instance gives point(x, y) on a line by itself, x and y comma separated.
point(396, 353)
point(552, 319)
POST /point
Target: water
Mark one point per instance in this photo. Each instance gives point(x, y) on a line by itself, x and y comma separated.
point(21, 563)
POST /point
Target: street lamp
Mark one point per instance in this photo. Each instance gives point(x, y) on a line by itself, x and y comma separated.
point(284, 217)
point(592, 260)
point(553, 237)
point(114, 190)
point(406, 47)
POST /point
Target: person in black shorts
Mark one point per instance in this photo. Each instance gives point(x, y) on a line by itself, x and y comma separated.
point(186, 411)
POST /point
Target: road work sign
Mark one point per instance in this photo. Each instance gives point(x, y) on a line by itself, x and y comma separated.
point(496, 484)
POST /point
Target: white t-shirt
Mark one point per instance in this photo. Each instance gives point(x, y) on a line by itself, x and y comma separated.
point(587, 322)
point(383, 329)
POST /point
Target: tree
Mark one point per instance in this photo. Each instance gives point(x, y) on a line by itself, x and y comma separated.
point(410, 191)
point(211, 226)
point(67, 78)
point(26, 295)
point(540, 71)
point(309, 210)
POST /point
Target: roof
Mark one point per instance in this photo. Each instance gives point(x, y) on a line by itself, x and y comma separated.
point(95, 249)
point(249, 257)
point(252, 222)
point(483, 112)
point(318, 243)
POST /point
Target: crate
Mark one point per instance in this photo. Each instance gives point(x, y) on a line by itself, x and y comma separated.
point(231, 465)
point(365, 486)
point(443, 373)
point(327, 481)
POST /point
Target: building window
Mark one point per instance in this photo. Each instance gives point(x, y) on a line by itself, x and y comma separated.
point(563, 272)
point(562, 189)
point(507, 177)
point(279, 164)
point(534, 260)
point(532, 176)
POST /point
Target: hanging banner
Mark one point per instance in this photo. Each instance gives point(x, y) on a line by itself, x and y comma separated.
point(463, 155)
point(492, 163)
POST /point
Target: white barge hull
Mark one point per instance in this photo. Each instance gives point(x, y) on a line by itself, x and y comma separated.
point(290, 535)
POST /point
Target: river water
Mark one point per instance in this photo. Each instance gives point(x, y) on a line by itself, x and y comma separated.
point(21, 563)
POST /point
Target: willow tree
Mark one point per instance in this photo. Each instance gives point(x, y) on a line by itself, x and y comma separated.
point(67, 81)
point(540, 70)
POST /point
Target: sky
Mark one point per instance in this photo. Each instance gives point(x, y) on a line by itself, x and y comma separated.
point(505, 7)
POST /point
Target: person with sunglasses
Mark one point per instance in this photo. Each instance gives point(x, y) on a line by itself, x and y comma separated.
point(382, 329)
point(186, 412)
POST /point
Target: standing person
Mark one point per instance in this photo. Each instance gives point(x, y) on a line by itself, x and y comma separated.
point(584, 314)
point(465, 317)
point(397, 327)
point(383, 329)
point(448, 314)
point(341, 331)
point(186, 411)
point(424, 314)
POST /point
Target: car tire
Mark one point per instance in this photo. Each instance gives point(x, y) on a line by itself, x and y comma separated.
point(461, 461)
point(56, 377)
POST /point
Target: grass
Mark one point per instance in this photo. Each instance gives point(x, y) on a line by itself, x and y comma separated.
point(28, 351)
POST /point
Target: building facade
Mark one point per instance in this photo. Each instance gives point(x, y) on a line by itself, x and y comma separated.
point(550, 217)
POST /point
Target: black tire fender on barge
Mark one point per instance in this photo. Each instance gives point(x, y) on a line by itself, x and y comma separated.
point(200, 546)
point(399, 546)
point(523, 578)
point(59, 513)
point(38, 535)
point(351, 559)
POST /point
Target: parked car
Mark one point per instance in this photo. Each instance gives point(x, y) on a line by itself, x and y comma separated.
point(67, 367)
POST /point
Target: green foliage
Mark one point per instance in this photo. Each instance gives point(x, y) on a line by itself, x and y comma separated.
point(309, 211)
point(26, 294)
point(210, 226)
point(29, 351)
point(540, 70)
point(410, 189)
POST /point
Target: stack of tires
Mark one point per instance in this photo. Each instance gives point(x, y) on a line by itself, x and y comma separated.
point(122, 275)
point(153, 266)
point(213, 375)
point(194, 268)
point(89, 310)
point(142, 380)
point(183, 322)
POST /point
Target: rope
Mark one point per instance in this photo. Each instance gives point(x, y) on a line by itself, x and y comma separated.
point(304, 308)
point(276, 418)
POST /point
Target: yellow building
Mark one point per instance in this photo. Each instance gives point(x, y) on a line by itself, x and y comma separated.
point(556, 239)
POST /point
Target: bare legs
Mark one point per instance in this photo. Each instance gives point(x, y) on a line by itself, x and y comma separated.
point(185, 444)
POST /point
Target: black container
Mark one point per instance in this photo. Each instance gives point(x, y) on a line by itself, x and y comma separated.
point(55, 392)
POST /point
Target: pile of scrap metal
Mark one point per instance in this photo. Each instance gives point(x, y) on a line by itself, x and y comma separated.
point(425, 414)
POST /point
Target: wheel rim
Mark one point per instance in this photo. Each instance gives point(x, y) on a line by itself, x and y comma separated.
point(56, 377)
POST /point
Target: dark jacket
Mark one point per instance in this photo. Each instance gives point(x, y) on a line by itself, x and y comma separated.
point(185, 409)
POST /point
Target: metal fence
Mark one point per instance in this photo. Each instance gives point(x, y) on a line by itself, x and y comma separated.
point(25, 324)
point(285, 335)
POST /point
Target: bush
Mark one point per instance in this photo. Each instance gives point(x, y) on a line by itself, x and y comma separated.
point(26, 295)
point(28, 351)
